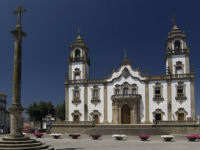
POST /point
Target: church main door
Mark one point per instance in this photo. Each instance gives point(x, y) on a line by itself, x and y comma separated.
point(125, 114)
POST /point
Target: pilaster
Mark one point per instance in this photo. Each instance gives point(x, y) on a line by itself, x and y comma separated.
point(187, 63)
point(66, 103)
point(147, 102)
point(85, 102)
point(169, 100)
point(105, 104)
point(192, 99)
point(70, 71)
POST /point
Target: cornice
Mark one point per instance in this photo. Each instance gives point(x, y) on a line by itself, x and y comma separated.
point(148, 79)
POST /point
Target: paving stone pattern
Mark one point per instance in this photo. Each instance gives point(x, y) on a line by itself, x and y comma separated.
point(108, 143)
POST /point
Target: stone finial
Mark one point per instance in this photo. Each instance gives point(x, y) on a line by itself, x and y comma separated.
point(146, 71)
point(105, 73)
point(192, 69)
point(168, 71)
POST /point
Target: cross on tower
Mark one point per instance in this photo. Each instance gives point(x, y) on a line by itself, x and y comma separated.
point(173, 20)
point(125, 51)
point(78, 30)
point(18, 12)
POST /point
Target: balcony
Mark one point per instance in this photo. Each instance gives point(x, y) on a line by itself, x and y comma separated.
point(158, 98)
point(180, 97)
point(126, 96)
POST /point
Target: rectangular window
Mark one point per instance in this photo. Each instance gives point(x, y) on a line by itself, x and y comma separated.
point(77, 75)
point(76, 94)
point(157, 91)
point(134, 91)
point(117, 92)
point(125, 91)
point(95, 93)
point(180, 91)
point(178, 70)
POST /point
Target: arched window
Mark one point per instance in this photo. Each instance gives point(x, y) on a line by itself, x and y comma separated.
point(125, 91)
point(77, 53)
point(177, 45)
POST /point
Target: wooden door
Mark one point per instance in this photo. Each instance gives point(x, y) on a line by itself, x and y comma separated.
point(180, 116)
point(125, 115)
point(96, 119)
point(158, 117)
point(76, 118)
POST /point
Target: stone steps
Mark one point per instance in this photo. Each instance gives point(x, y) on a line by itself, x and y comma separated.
point(22, 143)
point(124, 129)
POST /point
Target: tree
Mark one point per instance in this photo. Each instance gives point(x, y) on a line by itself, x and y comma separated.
point(39, 111)
point(60, 111)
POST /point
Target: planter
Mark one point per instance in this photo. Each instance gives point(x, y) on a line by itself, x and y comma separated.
point(74, 136)
point(38, 135)
point(144, 137)
point(95, 136)
point(55, 135)
point(119, 136)
point(167, 138)
point(192, 138)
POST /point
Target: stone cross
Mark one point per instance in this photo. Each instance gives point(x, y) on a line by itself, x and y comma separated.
point(18, 12)
point(125, 51)
point(173, 20)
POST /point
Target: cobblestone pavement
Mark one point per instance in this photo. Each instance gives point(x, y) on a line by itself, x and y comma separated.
point(108, 143)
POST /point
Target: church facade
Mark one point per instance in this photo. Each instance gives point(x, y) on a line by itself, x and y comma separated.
point(128, 96)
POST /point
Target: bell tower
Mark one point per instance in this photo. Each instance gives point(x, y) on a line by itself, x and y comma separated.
point(177, 52)
point(78, 60)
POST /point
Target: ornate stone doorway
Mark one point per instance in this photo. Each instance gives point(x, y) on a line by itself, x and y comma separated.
point(125, 114)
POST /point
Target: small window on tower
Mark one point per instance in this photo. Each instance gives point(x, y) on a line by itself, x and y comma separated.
point(177, 45)
point(178, 69)
point(77, 53)
point(77, 75)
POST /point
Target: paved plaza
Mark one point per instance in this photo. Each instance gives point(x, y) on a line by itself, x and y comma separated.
point(108, 143)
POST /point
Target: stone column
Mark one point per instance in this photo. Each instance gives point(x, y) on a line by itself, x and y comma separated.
point(192, 99)
point(66, 103)
point(16, 107)
point(105, 104)
point(147, 102)
point(85, 102)
point(169, 100)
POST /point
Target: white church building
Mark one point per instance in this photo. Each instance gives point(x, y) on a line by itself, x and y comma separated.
point(128, 96)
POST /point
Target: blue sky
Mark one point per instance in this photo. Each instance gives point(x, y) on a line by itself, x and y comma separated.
point(107, 26)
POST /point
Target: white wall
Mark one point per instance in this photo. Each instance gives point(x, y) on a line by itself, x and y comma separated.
point(153, 105)
point(80, 106)
point(186, 104)
point(176, 58)
point(99, 106)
